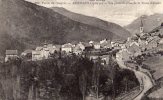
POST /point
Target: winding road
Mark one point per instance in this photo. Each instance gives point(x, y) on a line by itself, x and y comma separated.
point(146, 82)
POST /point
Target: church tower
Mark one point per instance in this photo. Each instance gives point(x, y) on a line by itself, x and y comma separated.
point(141, 26)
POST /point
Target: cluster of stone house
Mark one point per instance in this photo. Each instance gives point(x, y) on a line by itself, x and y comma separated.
point(135, 45)
point(143, 43)
point(44, 52)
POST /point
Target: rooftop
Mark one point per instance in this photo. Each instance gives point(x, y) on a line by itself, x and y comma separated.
point(28, 51)
point(86, 44)
point(11, 52)
point(36, 52)
point(39, 48)
point(67, 45)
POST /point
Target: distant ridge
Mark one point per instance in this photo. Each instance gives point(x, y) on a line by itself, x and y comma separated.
point(108, 26)
point(149, 23)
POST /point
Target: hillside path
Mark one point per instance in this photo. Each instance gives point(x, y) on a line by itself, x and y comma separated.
point(145, 80)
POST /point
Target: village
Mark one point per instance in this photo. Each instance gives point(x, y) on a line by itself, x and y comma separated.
point(101, 57)
point(63, 50)
point(141, 43)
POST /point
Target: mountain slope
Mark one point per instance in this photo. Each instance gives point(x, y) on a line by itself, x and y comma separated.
point(149, 22)
point(29, 25)
point(108, 26)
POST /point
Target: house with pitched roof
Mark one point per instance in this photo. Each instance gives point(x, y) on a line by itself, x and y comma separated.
point(117, 43)
point(39, 48)
point(134, 43)
point(36, 55)
point(45, 51)
point(81, 45)
point(68, 48)
point(152, 44)
point(114, 44)
point(11, 54)
point(126, 54)
point(85, 46)
point(106, 45)
point(143, 44)
point(103, 41)
point(52, 48)
point(77, 50)
point(96, 45)
point(91, 42)
point(134, 49)
point(27, 54)
point(42, 52)
point(57, 47)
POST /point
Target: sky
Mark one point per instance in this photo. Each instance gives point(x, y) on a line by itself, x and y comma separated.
point(122, 12)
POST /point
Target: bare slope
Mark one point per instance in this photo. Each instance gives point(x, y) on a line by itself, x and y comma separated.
point(108, 26)
point(29, 25)
point(150, 22)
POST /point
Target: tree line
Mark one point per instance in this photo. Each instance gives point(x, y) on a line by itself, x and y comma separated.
point(63, 77)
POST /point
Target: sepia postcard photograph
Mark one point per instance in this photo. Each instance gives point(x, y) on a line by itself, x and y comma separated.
point(81, 49)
